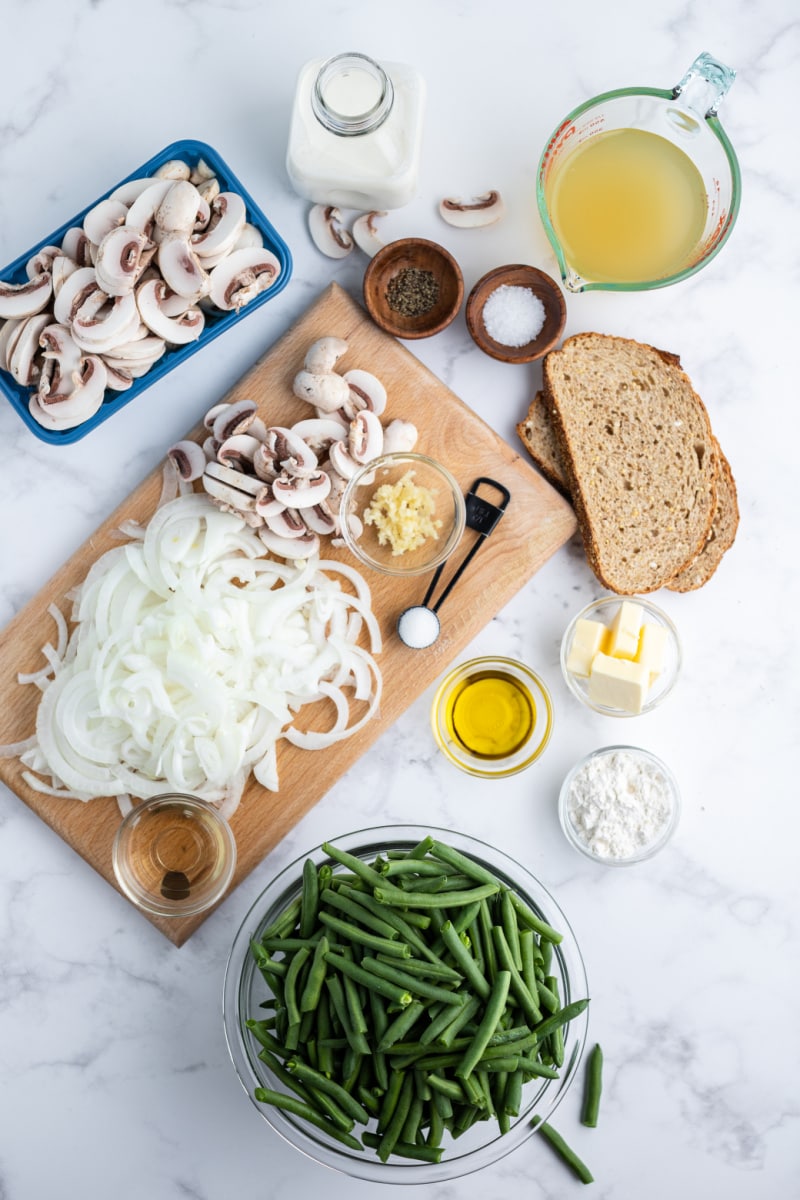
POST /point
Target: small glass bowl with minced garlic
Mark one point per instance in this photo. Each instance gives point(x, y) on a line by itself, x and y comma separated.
point(402, 514)
point(492, 717)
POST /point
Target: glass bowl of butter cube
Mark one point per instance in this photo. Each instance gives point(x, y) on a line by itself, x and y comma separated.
point(621, 656)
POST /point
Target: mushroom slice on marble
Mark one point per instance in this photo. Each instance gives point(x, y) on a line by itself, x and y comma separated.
point(327, 232)
point(482, 210)
point(365, 233)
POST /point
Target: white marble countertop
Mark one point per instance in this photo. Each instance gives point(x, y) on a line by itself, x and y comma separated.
point(113, 1068)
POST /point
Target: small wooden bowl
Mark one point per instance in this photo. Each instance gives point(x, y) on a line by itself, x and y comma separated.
point(409, 254)
point(547, 290)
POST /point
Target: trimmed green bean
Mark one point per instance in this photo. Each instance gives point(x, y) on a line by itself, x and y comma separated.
point(521, 993)
point(345, 900)
point(512, 1097)
point(467, 866)
point(301, 1109)
point(391, 1134)
point(508, 921)
point(565, 1152)
point(416, 966)
point(384, 893)
point(411, 983)
point(447, 1035)
point(556, 1039)
point(399, 1027)
point(529, 918)
point(369, 980)
point(336, 991)
point(425, 1153)
point(465, 961)
point(296, 964)
point(321, 1083)
point(309, 899)
point(285, 922)
point(486, 925)
point(361, 937)
point(559, 1018)
point(593, 1088)
point(493, 1010)
point(315, 979)
point(359, 868)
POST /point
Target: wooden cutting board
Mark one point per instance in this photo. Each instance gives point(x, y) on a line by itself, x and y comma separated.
point(537, 522)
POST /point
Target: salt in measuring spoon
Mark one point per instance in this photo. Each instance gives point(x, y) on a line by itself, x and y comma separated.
point(418, 626)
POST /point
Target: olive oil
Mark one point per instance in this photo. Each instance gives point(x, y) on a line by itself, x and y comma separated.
point(628, 206)
point(491, 714)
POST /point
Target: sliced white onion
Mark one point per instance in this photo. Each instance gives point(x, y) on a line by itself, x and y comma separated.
point(190, 658)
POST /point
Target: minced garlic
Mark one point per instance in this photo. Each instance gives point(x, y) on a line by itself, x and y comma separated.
point(402, 514)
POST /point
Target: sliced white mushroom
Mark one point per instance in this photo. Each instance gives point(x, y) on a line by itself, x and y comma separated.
point(242, 275)
point(213, 413)
point(104, 217)
point(233, 418)
point(228, 217)
point(201, 171)
point(60, 349)
point(25, 299)
point(138, 351)
point(63, 266)
point(249, 237)
point(189, 459)
point(131, 190)
point(289, 451)
point(181, 268)
point(399, 436)
point(41, 261)
point(75, 289)
point(181, 209)
point(264, 464)
point(482, 210)
point(121, 258)
point(365, 233)
point(319, 518)
point(174, 168)
point(9, 331)
point(327, 232)
point(99, 327)
point(323, 354)
point(23, 359)
point(327, 392)
point(142, 213)
point(365, 440)
point(227, 492)
point(209, 189)
point(287, 523)
point(76, 245)
point(238, 479)
point(178, 331)
point(117, 379)
point(342, 460)
point(319, 432)
point(266, 504)
point(301, 491)
point(238, 451)
point(366, 390)
point(78, 397)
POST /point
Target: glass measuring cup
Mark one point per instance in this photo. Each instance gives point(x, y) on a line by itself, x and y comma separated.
point(685, 118)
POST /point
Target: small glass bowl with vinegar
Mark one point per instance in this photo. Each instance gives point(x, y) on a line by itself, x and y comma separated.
point(492, 717)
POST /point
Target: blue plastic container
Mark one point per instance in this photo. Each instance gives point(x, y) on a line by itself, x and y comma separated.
point(216, 323)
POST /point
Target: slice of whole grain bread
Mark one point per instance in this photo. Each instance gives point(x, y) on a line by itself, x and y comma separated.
point(721, 537)
point(638, 455)
point(536, 432)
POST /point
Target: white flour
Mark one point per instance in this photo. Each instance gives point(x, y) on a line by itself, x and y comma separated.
point(619, 803)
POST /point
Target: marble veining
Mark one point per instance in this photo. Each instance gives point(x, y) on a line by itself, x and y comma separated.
point(114, 1071)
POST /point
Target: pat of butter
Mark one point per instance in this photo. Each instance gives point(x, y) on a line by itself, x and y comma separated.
point(618, 683)
point(652, 648)
point(589, 638)
point(624, 640)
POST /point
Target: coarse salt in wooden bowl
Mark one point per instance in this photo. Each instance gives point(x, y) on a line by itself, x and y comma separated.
point(413, 288)
point(511, 313)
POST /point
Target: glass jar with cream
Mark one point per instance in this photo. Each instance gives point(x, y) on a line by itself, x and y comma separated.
point(356, 132)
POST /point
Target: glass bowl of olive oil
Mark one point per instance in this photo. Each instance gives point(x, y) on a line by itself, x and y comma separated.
point(492, 717)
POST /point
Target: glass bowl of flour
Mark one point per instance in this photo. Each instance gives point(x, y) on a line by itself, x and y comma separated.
point(619, 805)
